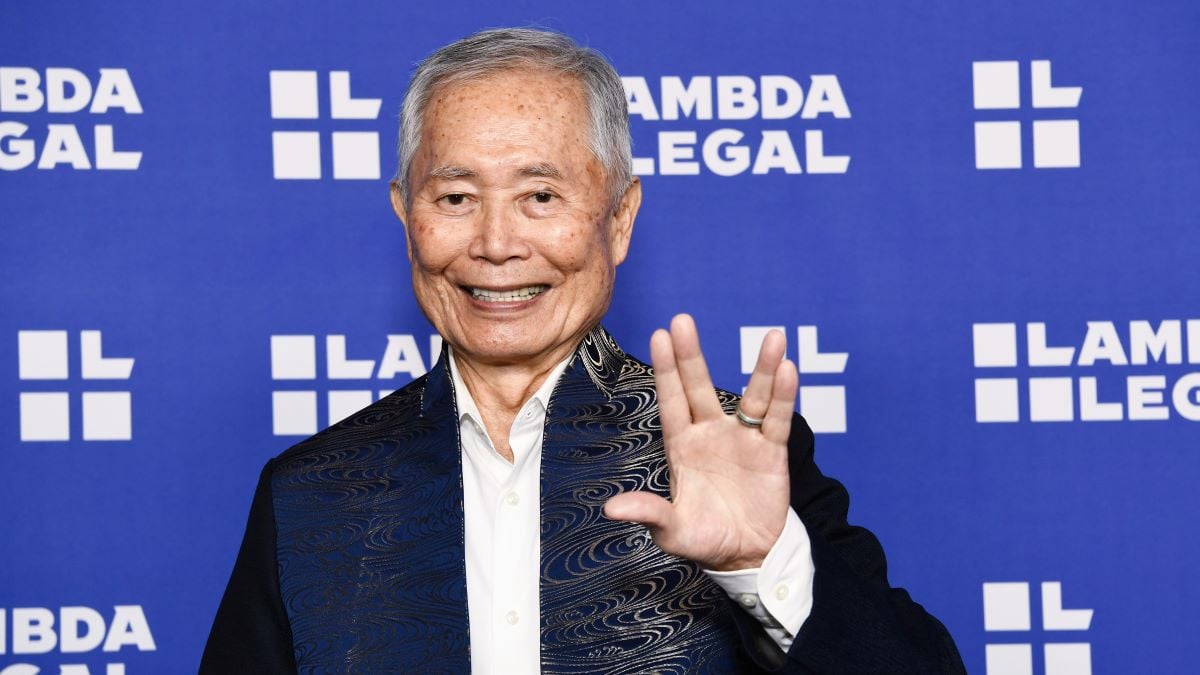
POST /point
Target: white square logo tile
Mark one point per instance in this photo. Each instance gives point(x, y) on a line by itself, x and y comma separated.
point(42, 355)
point(45, 416)
point(1006, 606)
point(293, 357)
point(297, 155)
point(824, 407)
point(1015, 659)
point(355, 155)
point(996, 400)
point(997, 145)
point(1068, 658)
point(294, 95)
point(997, 85)
point(1056, 144)
point(995, 345)
point(1051, 399)
point(107, 416)
point(294, 413)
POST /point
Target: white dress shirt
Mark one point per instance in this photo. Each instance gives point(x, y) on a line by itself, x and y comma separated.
point(501, 504)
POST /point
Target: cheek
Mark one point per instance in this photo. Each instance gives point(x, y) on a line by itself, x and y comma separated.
point(585, 253)
point(574, 249)
point(433, 251)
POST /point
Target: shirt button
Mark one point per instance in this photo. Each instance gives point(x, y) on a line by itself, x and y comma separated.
point(512, 499)
point(512, 618)
point(748, 600)
point(781, 591)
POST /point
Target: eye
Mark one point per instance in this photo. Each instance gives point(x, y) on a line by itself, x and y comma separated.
point(455, 199)
point(542, 203)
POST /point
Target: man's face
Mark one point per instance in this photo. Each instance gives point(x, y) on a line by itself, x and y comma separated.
point(511, 235)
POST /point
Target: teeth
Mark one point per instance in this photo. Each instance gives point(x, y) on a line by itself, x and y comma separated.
point(507, 296)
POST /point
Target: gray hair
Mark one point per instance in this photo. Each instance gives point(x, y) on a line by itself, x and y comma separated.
point(492, 51)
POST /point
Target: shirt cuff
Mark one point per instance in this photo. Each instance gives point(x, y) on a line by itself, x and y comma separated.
point(778, 594)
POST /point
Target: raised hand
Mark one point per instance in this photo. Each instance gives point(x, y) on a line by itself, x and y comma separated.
point(729, 479)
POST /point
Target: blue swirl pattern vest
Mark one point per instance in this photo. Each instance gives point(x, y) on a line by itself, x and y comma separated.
point(369, 522)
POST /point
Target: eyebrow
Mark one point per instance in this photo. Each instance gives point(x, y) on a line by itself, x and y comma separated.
point(541, 170)
point(537, 170)
point(451, 172)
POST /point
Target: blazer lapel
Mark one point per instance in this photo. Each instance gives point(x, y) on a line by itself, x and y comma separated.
point(611, 600)
point(369, 518)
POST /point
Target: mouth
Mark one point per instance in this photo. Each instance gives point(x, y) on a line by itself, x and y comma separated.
point(511, 295)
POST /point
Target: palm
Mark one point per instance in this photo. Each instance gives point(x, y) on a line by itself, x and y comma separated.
point(729, 482)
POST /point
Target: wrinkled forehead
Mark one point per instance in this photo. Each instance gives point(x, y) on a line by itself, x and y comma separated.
point(530, 73)
point(531, 93)
point(534, 95)
point(536, 112)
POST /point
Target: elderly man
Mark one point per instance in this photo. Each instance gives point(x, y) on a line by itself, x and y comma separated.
point(541, 501)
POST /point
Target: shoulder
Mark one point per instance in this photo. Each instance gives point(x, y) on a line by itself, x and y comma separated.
point(387, 418)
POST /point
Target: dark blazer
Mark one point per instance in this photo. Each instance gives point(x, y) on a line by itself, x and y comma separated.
point(353, 558)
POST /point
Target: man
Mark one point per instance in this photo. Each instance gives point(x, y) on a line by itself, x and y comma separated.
point(508, 512)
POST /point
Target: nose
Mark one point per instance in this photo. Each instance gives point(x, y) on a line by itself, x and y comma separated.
point(498, 236)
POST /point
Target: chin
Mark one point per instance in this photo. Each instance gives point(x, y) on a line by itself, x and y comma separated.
point(501, 344)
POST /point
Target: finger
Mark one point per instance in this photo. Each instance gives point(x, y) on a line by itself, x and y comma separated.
point(646, 508)
point(693, 370)
point(778, 422)
point(758, 391)
point(673, 410)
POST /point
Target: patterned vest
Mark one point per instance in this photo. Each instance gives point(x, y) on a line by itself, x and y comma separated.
point(369, 520)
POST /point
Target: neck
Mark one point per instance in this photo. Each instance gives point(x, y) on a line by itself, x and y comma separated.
point(500, 390)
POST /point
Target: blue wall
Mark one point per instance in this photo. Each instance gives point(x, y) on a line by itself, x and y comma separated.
point(936, 278)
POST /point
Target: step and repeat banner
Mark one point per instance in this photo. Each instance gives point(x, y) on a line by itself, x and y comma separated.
point(975, 222)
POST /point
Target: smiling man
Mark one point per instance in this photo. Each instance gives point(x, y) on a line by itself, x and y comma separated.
point(540, 501)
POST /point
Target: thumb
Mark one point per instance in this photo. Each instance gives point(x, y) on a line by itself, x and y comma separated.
point(646, 508)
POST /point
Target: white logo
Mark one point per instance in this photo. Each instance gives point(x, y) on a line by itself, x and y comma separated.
point(78, 630)
point(1006, 609)
point(823, 406)
point(1053, 399)
point(294, 357)
point(998, 143)
point(727, 151)
point(297, 154)
point(46, 415)
point(65, 91)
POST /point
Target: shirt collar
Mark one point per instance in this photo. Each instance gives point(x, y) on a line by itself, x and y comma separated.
point(466, 404)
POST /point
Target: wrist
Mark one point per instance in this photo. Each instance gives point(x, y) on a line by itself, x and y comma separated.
point(738, 564)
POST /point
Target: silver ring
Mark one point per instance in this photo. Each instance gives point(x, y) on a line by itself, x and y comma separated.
point(746, 420)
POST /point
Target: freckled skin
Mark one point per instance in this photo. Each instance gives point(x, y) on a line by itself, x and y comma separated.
point(502, 228)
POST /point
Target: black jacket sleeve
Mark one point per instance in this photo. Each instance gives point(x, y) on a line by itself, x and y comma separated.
point(251, 633)
point(858, 623)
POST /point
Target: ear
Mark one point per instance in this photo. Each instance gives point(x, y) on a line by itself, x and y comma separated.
point(620, 227)
point(402, 213)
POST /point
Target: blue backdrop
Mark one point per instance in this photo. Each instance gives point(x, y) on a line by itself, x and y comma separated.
point(975, 222)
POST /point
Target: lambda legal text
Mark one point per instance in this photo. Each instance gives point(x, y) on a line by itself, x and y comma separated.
point(64, 91)
point(1158, 382)
point(74, 631)
point(729, 150)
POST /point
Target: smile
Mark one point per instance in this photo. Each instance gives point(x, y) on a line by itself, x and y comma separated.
point(514, 295)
